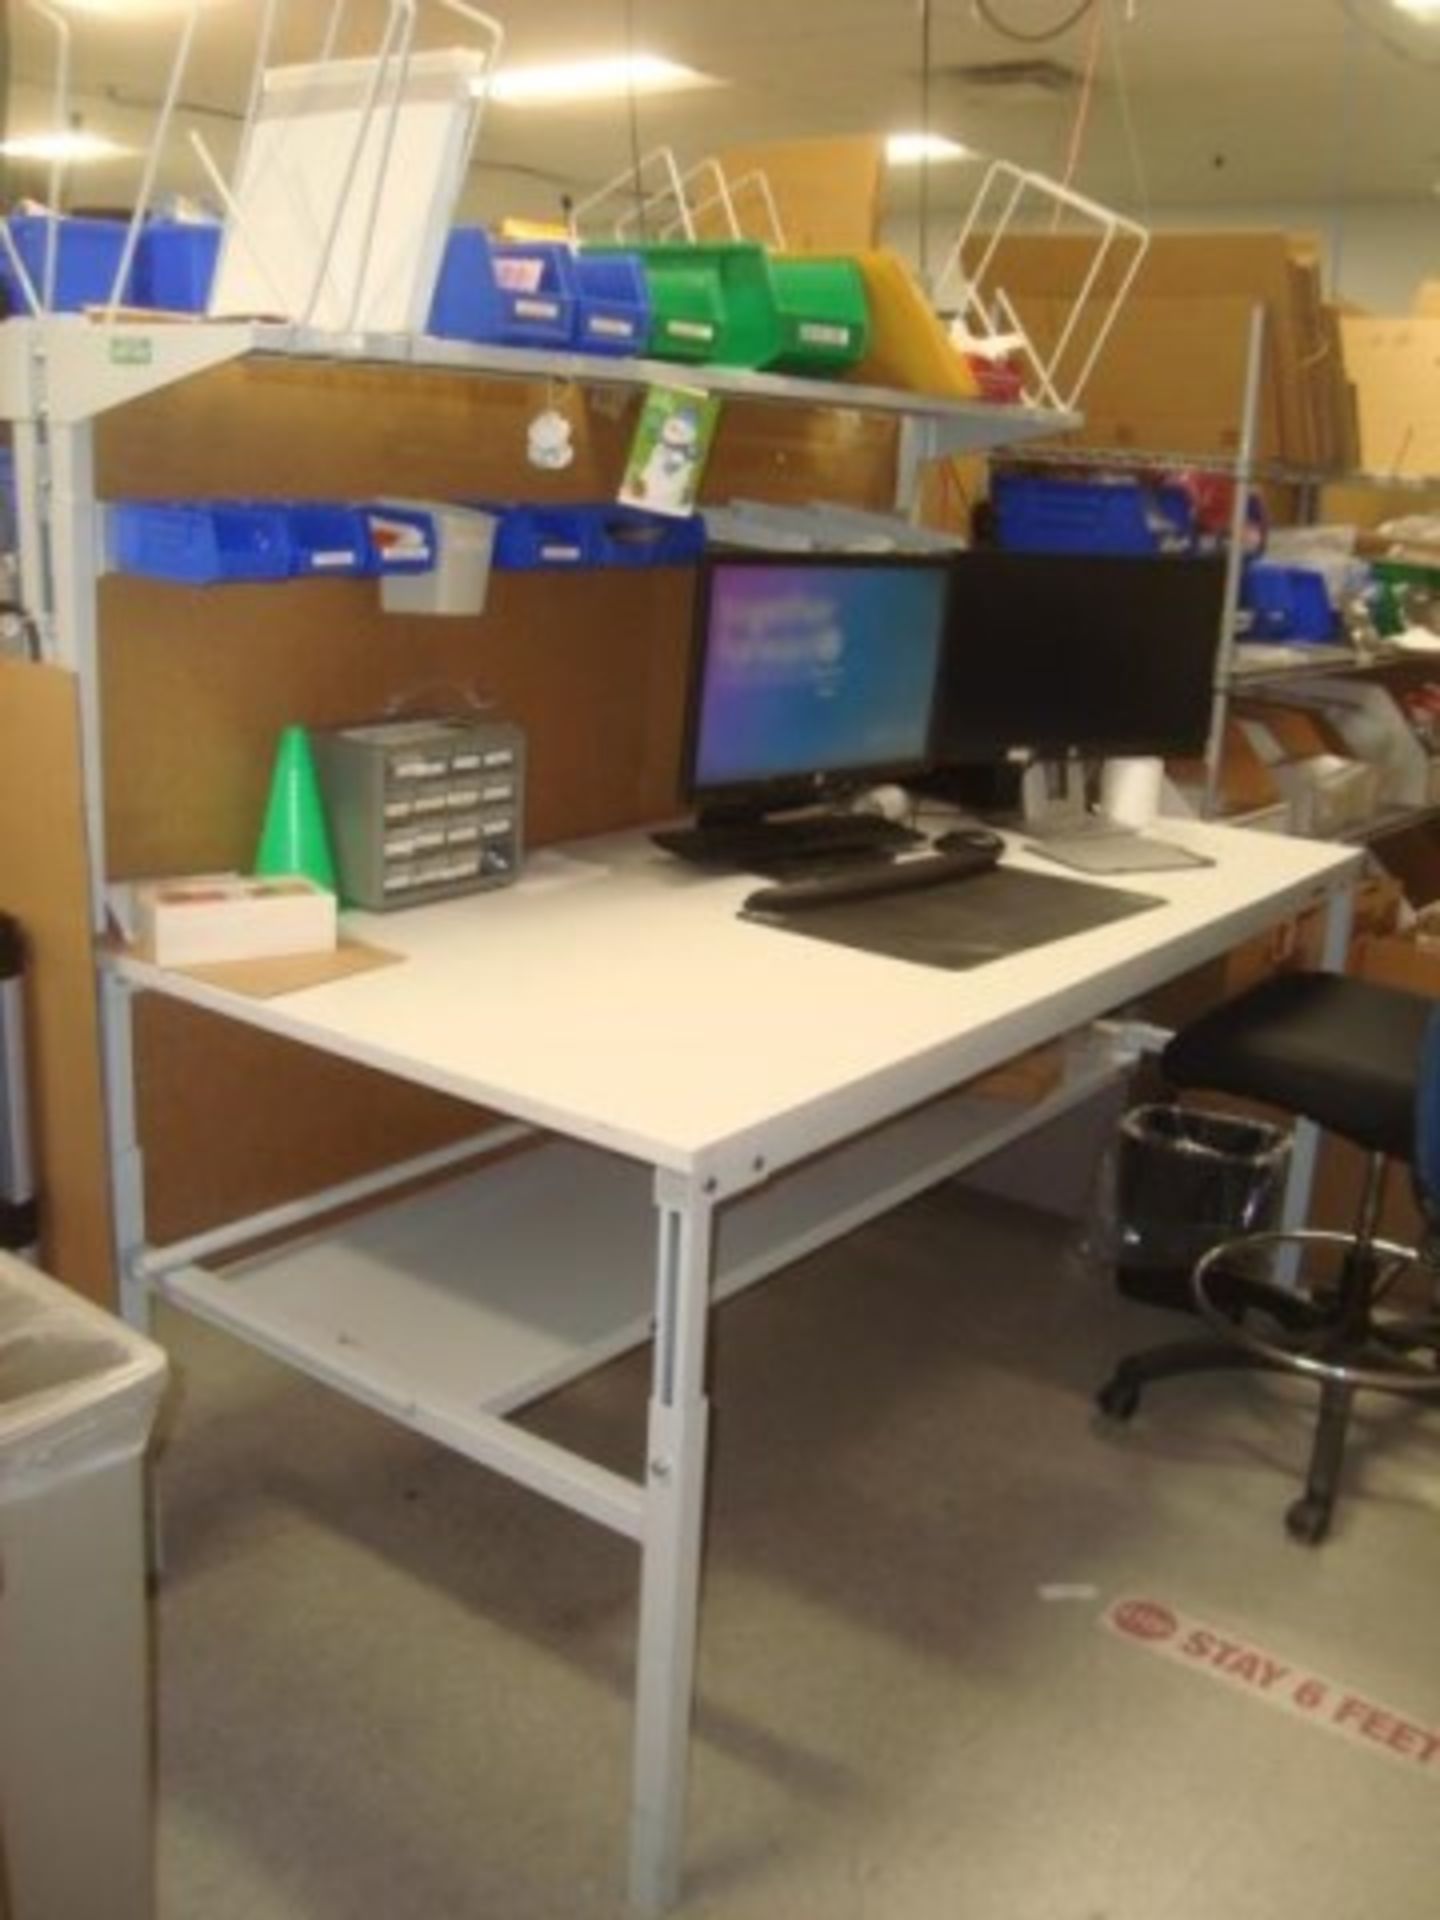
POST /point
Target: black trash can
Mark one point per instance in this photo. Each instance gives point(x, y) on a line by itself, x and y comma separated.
point(1185, 1180)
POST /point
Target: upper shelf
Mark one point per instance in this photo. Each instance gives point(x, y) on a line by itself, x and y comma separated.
point(1275, 472)
point(70, 369)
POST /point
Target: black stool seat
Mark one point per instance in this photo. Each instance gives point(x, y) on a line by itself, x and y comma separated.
point(1341, 1052)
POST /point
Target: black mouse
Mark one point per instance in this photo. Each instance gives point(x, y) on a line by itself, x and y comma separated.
point(959, 839)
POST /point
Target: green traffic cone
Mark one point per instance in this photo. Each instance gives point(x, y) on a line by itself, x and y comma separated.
point(294, 838)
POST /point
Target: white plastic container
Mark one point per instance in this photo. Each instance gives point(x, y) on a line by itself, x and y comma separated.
point(78, 1397)
point(464, 540)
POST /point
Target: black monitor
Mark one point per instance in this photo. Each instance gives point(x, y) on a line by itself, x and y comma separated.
point(813, 675)
point(1097, 655)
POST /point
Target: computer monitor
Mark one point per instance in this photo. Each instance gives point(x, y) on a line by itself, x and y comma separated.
point(813, 675)
point(1097, 655)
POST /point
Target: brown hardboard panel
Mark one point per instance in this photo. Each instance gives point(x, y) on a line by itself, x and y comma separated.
point(198, 685)
point(271, 427)
point(308, 430)
point(235, 1120)
point(44, 883)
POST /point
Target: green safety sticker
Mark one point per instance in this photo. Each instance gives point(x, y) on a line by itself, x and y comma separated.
point(132, 353)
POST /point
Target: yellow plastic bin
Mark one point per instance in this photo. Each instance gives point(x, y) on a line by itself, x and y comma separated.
point(78, 1398)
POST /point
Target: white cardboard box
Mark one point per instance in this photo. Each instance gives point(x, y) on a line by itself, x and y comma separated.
point(195, 919)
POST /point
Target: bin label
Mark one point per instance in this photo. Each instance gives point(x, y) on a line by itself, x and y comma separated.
point(1238, 1663)
point(817, 333)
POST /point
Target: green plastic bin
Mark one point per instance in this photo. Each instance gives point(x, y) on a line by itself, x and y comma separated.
point(824, 314)
point(710, 303)
point(1401, 580)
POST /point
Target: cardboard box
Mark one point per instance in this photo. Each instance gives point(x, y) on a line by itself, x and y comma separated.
point(1169, 384)
point(1246, 783)
point(1171, 375)
point(1294, 943)
point(1026, 1078)
point(829, 193)
point(204, 918)
point(1395, 365)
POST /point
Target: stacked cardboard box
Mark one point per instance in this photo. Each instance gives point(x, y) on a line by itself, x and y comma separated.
point(1172, 375)
point(1395, 364)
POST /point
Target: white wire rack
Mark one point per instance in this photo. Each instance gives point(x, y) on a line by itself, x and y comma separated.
point(1012, 201)
point(657, 199)
point(348, 172)
point(316, 259)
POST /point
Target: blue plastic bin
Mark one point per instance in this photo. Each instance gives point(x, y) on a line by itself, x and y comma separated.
point(205, 542)
point(629, 537)
point(87, 258)
point(1039, 514)
point(590, 534)
point(1286, 603)
point(201, 542)
point(326, 537)
point(612, 303)
point(175, 265)
point(509, 293)
point(532, 537)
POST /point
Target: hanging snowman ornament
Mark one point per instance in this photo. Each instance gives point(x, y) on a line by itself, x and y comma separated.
point(549, 441)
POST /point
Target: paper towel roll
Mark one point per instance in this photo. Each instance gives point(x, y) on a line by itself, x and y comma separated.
point(1130, 791)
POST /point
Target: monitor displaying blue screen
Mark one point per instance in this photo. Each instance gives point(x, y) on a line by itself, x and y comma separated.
point(812, 668)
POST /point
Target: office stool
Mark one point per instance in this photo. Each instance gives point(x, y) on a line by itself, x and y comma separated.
point(1363, 1062)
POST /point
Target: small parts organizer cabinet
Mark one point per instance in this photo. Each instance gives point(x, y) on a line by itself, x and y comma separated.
point(422, 809)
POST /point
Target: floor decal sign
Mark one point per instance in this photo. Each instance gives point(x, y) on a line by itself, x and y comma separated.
point(1246, 1668)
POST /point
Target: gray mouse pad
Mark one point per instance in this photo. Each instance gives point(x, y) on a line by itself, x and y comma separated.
point(964, 923)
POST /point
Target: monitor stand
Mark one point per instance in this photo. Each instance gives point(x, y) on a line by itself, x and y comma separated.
point(1060, 824)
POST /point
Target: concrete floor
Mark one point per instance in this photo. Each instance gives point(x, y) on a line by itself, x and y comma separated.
point(393, 1685)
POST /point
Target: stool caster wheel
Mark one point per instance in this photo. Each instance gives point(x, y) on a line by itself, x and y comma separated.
point(1118, 1398)
point(1308, 1521)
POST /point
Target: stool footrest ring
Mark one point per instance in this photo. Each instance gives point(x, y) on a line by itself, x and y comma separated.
point(1350, 1358)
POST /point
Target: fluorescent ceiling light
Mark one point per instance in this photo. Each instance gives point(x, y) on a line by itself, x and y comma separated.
point(71, 146)
point(136, 9)
point(604, 79)
point(909, 149)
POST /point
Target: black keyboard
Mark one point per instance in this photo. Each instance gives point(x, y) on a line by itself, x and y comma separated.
point(763, 844)
point(873, 881)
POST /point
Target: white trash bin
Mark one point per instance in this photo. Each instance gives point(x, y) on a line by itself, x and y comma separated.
point(78, 1397)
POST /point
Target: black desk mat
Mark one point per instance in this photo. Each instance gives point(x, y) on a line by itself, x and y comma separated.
point(965, 923)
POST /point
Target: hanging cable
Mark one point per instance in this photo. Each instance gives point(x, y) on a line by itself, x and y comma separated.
point(1127, 120)
point(1353, 78)
point(1032, 37)
point(923, 248)
point(632, 109)
point(1082, 108)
